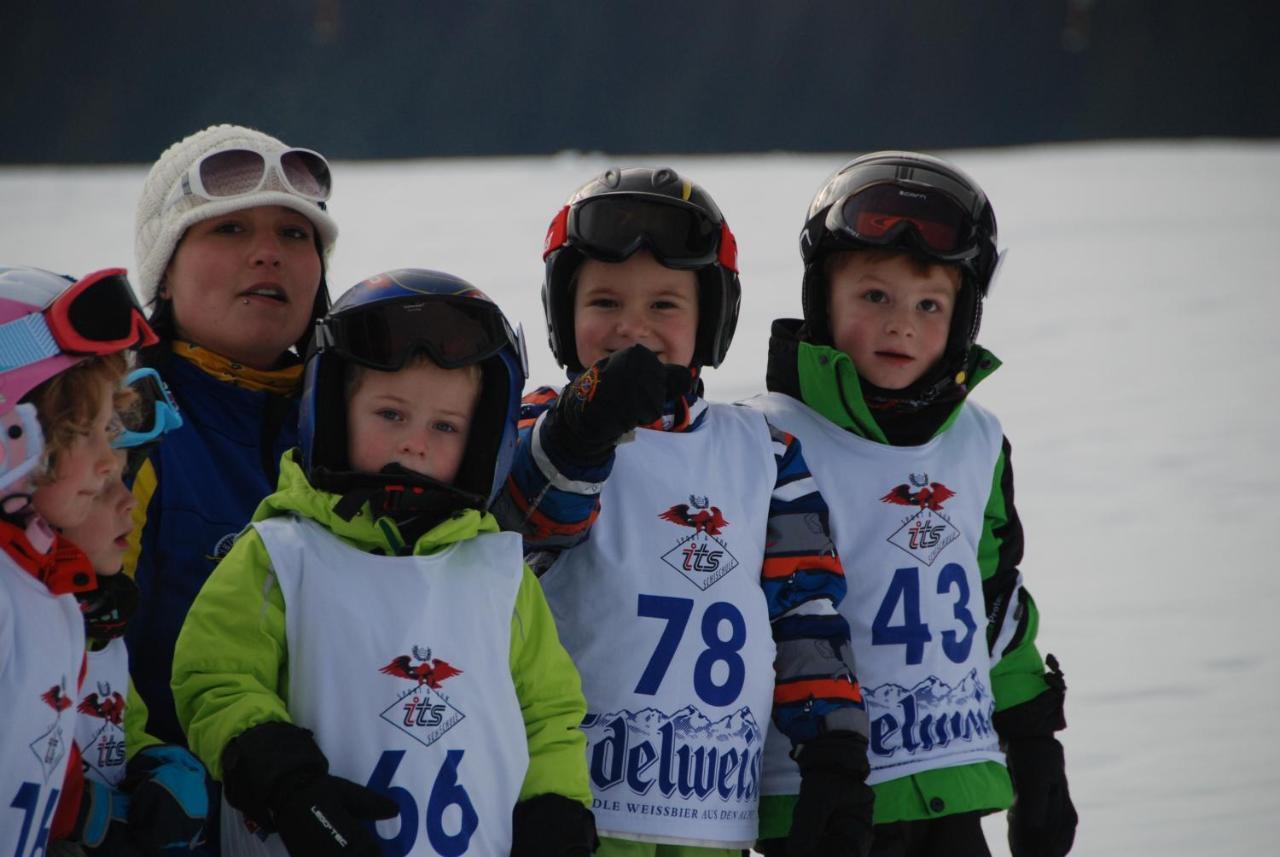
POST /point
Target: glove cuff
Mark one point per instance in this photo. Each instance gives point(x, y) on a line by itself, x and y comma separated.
point(1039, 717)
point(265, 763)
point(835, 752)
point(552, 825)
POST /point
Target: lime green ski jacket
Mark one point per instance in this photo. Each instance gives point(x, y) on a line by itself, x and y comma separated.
point(230, 668)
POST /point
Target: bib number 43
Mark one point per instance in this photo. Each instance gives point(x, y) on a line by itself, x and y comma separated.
point(912, 632)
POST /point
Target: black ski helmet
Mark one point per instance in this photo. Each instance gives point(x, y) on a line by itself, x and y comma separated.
point(904, 195)
point(680, 214)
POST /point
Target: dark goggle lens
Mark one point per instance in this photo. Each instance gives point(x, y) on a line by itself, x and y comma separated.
point(450, 334)
point(105, 311)
point(614, 228)
point(879, 211)
point(232, 172)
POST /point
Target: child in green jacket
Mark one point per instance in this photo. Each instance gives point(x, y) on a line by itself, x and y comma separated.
point(372, 648)
point(899, 251)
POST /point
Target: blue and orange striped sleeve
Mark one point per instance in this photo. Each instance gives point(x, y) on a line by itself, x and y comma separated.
point(551, 501)
point(815, 688)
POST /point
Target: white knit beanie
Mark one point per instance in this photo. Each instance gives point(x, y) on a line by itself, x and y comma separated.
point(158, 229)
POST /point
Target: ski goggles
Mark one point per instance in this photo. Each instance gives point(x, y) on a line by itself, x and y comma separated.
point(888, 214)
point(156, 412)
point(98, 315)
point(228, 173)
point(612, 228)
point(454, 332)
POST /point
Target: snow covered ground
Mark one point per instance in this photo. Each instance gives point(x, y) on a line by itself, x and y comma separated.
point(1137, 316)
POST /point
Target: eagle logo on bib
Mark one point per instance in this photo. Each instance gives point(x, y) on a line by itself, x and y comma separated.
point(422, 712)
point(701, 557)
point(928, 530)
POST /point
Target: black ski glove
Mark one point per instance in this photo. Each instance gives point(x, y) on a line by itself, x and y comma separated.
point(1042, 820)
point(169, 794)
point(552, 825)
point(277, 776)
point(615, 395)
point(832, 817)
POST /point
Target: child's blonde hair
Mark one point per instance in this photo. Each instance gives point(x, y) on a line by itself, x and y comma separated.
point(67, 403)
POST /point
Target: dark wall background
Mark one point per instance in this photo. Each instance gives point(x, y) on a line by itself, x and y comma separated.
point(118, 81)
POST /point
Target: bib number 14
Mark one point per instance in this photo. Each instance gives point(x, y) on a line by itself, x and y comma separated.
point(912, 632)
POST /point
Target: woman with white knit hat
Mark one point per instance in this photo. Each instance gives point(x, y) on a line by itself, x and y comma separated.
point(232, 236)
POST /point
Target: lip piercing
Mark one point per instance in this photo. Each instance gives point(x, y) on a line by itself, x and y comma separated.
point(244, 301)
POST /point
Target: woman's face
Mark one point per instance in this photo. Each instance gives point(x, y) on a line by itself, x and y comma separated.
point(244, 284)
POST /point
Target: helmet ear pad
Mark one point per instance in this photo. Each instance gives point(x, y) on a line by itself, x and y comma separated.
point(488, 431)
point(558, 287)
point(813, 298)
point(719, 302)
point(325, 389)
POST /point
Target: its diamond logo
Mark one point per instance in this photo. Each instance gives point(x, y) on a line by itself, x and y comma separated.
point(104, 753)
point(51, 746)
point(422, 712)
point(928, 531)
point(701, 557)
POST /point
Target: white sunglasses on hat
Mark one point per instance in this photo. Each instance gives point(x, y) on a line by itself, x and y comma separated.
point(228, 173)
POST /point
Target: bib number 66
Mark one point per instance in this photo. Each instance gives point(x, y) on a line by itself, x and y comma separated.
point(445, 792)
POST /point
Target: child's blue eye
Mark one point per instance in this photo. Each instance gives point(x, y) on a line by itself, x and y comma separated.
point(448, 428)
point(389, 414)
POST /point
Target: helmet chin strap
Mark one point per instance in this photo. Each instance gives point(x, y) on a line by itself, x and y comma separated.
point(398, 492)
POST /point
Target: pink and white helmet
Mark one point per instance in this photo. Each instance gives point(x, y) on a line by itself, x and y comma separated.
point(21, 447)
point(23, 292)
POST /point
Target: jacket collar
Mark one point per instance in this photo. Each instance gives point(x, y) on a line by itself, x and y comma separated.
point(63, 568)
point(285, 381)
point(295, 495)
point(824, 378)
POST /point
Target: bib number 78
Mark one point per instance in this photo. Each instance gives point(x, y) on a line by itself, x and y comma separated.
point(912, 632)
point(676, 612)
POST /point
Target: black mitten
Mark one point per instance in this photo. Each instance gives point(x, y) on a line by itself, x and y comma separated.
point(615, 395)
point(552, 825)
point(277, 776)
point(1042, 820)
point(832, 817)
